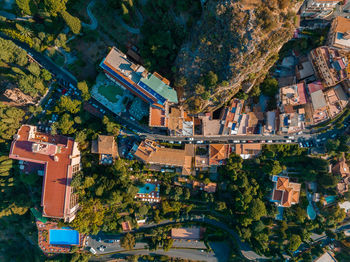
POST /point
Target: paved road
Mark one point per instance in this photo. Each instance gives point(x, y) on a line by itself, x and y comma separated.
point(58, 72)
point(245, 249)
point(191, 254)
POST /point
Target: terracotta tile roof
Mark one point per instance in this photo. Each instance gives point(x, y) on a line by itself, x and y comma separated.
point(150, 152)
point(218, 153)
point(157, 117)
point(248, 149)
point(282, 183)
point(343, 24)
point(56, 195)
point(126, 226)
point(106, 145)
point(286, 193)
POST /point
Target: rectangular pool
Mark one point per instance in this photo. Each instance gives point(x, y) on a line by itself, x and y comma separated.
point(63, 237)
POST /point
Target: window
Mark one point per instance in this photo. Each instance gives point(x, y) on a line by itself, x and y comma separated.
point(76, 168)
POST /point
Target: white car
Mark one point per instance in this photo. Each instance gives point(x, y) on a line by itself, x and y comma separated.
point(236, 141)
point(269, 141)
point(93, 251)
point(289, 141)
point(200, 142)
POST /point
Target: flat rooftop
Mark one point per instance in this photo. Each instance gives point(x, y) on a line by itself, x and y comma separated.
point(56, 193)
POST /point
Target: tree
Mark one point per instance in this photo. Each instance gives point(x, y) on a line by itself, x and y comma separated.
point(332, 145)
point(73, 22)
point(34, 69)
point(65, 124)
point(125, 11)
point(294, 242)
point(257, 209)
point(55, 6)
point(90, 218)
point(143, 210)
point(46, 75)
point(210, 79)
point(67, 104)
point(300, 214)
point(24, 6)
point(83, 87)
point(180, 82)
point(187, 194)
point(127, 241)
point(270, 86)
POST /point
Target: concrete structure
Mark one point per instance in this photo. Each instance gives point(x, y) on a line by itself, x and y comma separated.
point(318, 8)
point(329, 65)
point(249, 150)
point(106, 147)
point(61, 158)
point(152, 153)
point(152, 88)
point(191, 233)
point(339, 33)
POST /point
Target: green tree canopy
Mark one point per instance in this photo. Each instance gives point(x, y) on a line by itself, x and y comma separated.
point(73, 22)
point(55, 6)
point(127, 241)
point(65, 124)
point(83, 87)
point(294, 242)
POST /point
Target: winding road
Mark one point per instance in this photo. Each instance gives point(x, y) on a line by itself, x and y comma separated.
point(245, 249)
point(93, 25)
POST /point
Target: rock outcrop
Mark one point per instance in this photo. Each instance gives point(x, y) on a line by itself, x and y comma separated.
point(238, 40)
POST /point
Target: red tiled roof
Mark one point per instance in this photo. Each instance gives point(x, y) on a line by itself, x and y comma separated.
point(56, 186)
point(315, 86)
point(285, 192)
point(301, 93)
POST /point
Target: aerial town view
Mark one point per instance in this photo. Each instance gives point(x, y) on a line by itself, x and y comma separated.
point(174, 130)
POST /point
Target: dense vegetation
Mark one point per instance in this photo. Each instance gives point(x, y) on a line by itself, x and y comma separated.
point(248, 188)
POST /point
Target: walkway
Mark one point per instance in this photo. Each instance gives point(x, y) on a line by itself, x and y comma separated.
point(93, 25)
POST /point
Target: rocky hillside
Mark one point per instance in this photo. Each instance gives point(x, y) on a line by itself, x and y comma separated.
point(232, 47)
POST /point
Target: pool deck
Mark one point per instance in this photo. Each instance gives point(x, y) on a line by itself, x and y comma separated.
point(43, 239)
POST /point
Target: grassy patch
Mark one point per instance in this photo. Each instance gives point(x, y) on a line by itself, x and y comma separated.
point(110, 92)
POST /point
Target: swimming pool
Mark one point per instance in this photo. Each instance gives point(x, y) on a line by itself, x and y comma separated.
point(311, 212)
point(64, 237)
point(330, 199)
point(147, 188)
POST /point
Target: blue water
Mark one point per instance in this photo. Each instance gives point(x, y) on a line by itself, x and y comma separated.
point(64, 237)
point(330, 199)
point(147, 188)
point(311, 212)
point(280, 213)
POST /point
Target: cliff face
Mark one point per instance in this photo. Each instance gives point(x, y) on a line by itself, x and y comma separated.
point(238, 40)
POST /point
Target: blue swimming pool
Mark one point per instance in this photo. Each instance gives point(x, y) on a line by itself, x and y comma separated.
point(330, 199)
point(64, 237)
point(311, 212)
point(147, 188)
